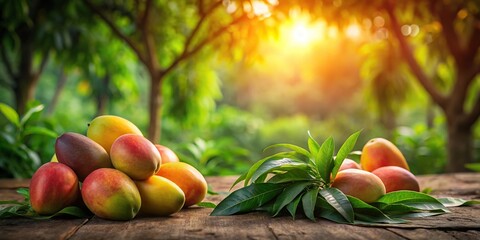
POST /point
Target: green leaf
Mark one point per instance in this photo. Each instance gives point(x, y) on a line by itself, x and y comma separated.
point(206, 204)
point(288, 195)
point(344, 151)
point(406, 196)
point(295, 148)
point(29, 113)
point(275, 164)
point(405, 201)
point(339, 202)
point(256, 165)
point(324, 159)
point(239, 179)
point(366, 213)
point(309, 199)
point(313, 145)
point(473, 166)
point(456, 202)
point(10, 114)
point(291, 176)
point(419, 214)
point(325, 210)
point(293, 206)
point(39, 131)
point(247, 198)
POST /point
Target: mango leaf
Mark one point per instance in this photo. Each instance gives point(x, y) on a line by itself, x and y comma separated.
point(419, 214)
point(339, 202)
point(325, 210)
point(344, 151)
point(295, 148)
point(275, 164)
point(406, 201)
point(456, 202)
point(39, 131)
point(256, 165)
point(288, 195)
point(239, 179)
point(324, 159)
point(293, 206)
point(247, 198)
point(10, 114)
point(313, 145)
point(29, 113)
point(309, 200)
point(206, 204)
point(406, 196)
point(291, 176)
point(366, 213)
point(473, 166)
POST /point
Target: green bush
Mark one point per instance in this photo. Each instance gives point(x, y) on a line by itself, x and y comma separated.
point(22, 138)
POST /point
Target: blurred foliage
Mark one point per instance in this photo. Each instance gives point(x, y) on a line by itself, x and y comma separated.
point(24, 141)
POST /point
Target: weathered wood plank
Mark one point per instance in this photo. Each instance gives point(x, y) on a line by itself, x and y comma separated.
point(21, 228)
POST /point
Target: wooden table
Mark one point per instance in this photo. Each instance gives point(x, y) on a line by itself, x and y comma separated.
point(195, 223)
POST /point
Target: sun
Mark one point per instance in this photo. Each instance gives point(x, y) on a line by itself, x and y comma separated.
point(303, 33)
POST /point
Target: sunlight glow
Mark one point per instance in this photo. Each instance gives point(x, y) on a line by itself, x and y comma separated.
point(353, 31)
point(303, 33)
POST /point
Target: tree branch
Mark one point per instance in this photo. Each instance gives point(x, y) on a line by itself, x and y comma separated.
point(200, 45)
point(447, 18)
point(7, 63)
point(43, 63)
point(200, 22)
point(116, 30)
point(474, 113)
point(407, 52)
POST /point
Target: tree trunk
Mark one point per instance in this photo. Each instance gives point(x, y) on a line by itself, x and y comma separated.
point(459, 144)
point(62, 79)
point(155, 106)
point(103, 95)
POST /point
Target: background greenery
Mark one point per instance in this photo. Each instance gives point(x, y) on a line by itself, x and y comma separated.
point(247, 88)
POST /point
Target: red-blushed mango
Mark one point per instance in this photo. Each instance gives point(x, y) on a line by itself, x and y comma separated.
point(160, 196)
point(81, 154)
point(53, 187)
point(396, 178)
point(188, 178)
point(348, 164)
point(106, 129)
point(136, 156)
point(380, 152)
point(111, 194)
point(167, 154)
point(361, 184)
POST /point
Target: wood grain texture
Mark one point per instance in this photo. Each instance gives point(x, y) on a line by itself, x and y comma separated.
point(195, 223)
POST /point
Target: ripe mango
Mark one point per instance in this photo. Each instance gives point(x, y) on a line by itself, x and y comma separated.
point(106, 129)
point(188, 178)
point(111, 194)
point(348, 164)
point(53, 187)
point(361, 184)
point(136, 156)
point(396, 178)
point(81, 154)
point(167, 154)
point(160, 196)
point(380, 152)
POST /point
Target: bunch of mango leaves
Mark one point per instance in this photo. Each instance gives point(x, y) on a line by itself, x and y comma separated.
point(14, 208)
point(300, 179)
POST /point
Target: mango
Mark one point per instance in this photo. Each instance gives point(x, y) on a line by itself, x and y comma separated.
point(53, 187)
point(188, 178)
point(396, 178)
point(349, 163)
point(380, 152)
point(106, 129)
point(167, 154)
point(136, 156)
point(111, 194)
point(361, 184)
point(160, 196)
point(81, 153)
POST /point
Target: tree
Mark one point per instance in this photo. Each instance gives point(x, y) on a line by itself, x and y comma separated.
point(165, 34)
point(30, 31)
point(449, 39)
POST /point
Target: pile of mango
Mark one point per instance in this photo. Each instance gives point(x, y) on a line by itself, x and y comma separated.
point(116, 173)
point(382, 169)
